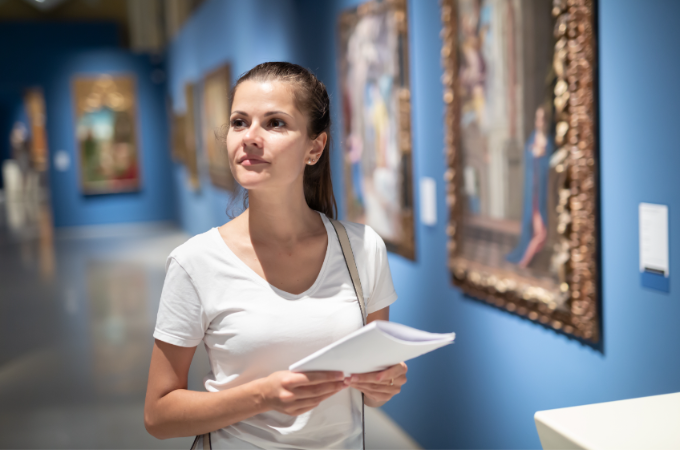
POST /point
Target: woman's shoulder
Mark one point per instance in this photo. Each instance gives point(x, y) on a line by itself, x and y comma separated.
point(363, 235)
point(194, 249)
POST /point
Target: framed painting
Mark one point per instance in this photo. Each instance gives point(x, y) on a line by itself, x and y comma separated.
point(521, 149)
point(215, 116)
point(106, 133)
point(34, 102)
point(190, 137)
point(376, 100)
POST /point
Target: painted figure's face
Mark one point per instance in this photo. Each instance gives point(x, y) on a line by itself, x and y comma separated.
point(540, 119)
point(267, 142)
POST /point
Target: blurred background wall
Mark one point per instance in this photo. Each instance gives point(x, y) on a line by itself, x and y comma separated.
point(481, 392)
point(48, 55)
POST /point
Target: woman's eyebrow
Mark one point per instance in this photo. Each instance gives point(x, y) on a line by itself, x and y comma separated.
point(271, 113)
point(239, 112)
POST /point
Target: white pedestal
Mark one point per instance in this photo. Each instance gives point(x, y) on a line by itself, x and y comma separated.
point(641, 423)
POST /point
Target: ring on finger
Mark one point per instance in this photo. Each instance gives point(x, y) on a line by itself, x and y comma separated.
point(391, 381)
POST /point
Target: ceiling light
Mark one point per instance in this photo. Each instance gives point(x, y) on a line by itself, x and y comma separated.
point(45, 5)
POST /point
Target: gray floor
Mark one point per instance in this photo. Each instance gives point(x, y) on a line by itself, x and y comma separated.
point(77, 309)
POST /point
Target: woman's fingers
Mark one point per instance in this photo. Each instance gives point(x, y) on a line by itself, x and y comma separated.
point(381, 387)
point(395, 371)
point(379, 394)
point(397, 382)
point(307, 404)
point(318, 390)
point(294, 379)
point(386, 376)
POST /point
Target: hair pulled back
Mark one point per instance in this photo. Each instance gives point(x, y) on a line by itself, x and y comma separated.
point(311, 98)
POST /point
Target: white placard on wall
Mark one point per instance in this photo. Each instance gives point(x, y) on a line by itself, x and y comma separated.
point(62, 161)
point(654, 238)
point(428, 201)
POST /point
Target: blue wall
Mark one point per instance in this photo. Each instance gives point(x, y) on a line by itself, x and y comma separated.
point(57, 53)
point(482, 392)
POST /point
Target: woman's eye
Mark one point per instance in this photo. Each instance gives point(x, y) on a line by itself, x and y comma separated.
point(277, 123)
point(236, 123)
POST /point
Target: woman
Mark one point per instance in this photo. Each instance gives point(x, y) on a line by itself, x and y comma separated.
point(270, 287)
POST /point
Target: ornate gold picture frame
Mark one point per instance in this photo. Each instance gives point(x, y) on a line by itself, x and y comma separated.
point(190, 137)
point(215, 116)
point(374, 81)
point(521, 150)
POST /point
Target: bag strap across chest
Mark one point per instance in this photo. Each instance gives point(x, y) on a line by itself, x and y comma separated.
point(351, 264)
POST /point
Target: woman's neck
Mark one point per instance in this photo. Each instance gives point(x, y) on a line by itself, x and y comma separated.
point(280, 217)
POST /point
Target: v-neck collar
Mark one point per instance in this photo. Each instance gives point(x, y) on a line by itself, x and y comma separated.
point(260, 280)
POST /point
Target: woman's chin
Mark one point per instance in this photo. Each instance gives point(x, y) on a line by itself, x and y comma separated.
point(250, 178)
point(251, 182)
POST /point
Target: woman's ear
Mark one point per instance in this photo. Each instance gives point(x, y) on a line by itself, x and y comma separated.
point(318, 145)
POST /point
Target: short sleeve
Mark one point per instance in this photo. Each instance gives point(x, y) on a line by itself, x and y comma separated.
point(383, 293)
point(181, 319)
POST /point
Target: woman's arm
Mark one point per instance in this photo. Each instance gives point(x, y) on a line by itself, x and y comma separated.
point(171, 410)
point(383, 314)
point(379, 387)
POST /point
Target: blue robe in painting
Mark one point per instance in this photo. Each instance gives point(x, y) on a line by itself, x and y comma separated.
point(535, 189)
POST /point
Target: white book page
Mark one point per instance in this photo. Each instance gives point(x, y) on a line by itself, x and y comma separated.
point(374, 347)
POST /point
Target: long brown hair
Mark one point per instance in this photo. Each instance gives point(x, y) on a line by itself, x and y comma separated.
point(311, 98)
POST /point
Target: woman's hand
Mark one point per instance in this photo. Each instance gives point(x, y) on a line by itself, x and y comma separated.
point(296, 393)
point(379, 387)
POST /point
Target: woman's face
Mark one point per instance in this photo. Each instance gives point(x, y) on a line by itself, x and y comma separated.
point(267, 142)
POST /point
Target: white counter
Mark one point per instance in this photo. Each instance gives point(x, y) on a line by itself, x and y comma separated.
point(641, 423)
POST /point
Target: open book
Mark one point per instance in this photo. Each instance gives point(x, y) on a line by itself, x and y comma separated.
point(374, 347)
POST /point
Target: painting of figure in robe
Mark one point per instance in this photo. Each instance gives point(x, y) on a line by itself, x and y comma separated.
point(507, 133)
point(376, 120)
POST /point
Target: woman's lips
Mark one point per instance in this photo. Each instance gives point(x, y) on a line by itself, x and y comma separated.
point(252, 161)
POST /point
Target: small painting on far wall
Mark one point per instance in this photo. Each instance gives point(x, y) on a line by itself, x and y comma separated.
point(377, 121)
point(106, 133)
point(215, 118)
point(34, 101)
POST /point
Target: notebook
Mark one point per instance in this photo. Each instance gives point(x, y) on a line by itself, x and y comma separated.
point(374, 347)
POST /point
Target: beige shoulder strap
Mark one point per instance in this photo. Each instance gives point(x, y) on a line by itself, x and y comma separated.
point(351, 264)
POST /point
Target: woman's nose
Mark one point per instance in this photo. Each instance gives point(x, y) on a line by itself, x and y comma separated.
point(254, 135)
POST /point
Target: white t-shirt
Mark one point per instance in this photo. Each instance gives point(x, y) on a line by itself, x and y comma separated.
point(251, 329)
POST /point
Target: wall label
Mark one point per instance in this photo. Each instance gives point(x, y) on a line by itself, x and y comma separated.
point(654, 261)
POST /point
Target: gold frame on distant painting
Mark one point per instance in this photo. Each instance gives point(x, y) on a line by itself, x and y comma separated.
point(110, 162)
point(573, 307)
point(402, 239)
point(190, 153)
point(216, 112)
